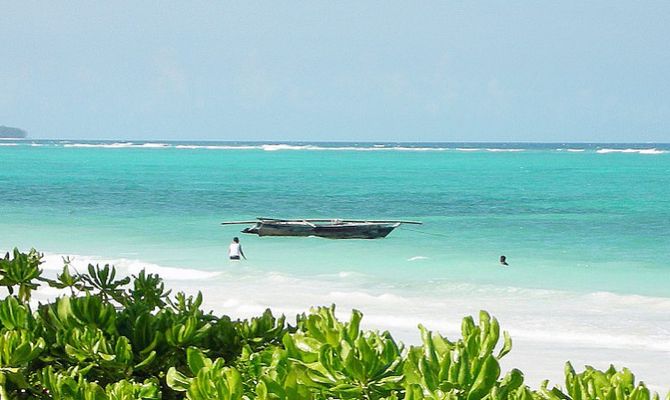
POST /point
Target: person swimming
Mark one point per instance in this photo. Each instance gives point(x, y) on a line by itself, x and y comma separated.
point(503, 260)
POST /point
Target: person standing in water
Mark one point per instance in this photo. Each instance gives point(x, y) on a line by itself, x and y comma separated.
point(503, 260)
point(235, 250)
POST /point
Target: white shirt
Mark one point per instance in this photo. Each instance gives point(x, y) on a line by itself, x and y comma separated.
point(234, 250)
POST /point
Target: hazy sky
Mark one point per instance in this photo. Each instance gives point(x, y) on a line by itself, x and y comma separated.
point(339, 70)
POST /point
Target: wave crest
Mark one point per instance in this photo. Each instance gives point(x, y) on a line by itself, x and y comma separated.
point(638, 151)
point(54, 262)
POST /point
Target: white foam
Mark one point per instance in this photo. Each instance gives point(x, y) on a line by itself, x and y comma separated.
point(652, 151)
point(576, 150)
point(119, 145)
point(587, 337)
point(628, 300)
point(416, 258)
point(349, 274)
point(276, 147)
point(215, 147)
point(154, 145)
point(400, 148)
point(505, 150)
point(638, 151)
point(367, 298)
point(124, 266)
point(8, 144)
point(282, 147)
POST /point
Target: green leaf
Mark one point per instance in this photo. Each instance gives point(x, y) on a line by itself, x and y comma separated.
point(486, 378)
point(196, 360)
point(507, 345)
point(177, 381)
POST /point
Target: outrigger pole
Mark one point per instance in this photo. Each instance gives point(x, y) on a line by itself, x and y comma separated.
point(374, 221)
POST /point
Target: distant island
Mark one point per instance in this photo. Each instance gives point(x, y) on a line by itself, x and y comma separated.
point(7, 132)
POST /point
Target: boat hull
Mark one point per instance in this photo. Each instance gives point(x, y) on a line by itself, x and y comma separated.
point(277, 229)
point(345, 232)
point(330, 231)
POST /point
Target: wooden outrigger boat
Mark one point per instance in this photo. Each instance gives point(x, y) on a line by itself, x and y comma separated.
point(326, 228)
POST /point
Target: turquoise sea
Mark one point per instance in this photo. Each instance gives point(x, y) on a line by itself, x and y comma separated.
point(585, 228)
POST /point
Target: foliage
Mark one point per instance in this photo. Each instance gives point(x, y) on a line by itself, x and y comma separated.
point(342, 361)
point(67, 280)
point(21, 271)
point(126, 339)
point(596, 384)
point(466, 369)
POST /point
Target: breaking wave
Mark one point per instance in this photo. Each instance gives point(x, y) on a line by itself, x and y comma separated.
point(214, 147)
point(119, 145)
point(505, 150)
point(100, 145)
point(54, 262)
point(638, 151)
point(347, 147)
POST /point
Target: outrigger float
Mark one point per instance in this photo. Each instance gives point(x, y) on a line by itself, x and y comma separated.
point(326, 228)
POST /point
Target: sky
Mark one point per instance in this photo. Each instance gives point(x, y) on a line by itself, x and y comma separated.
point(544, 71)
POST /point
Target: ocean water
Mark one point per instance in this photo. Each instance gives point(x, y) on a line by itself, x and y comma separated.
point(585, 228)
